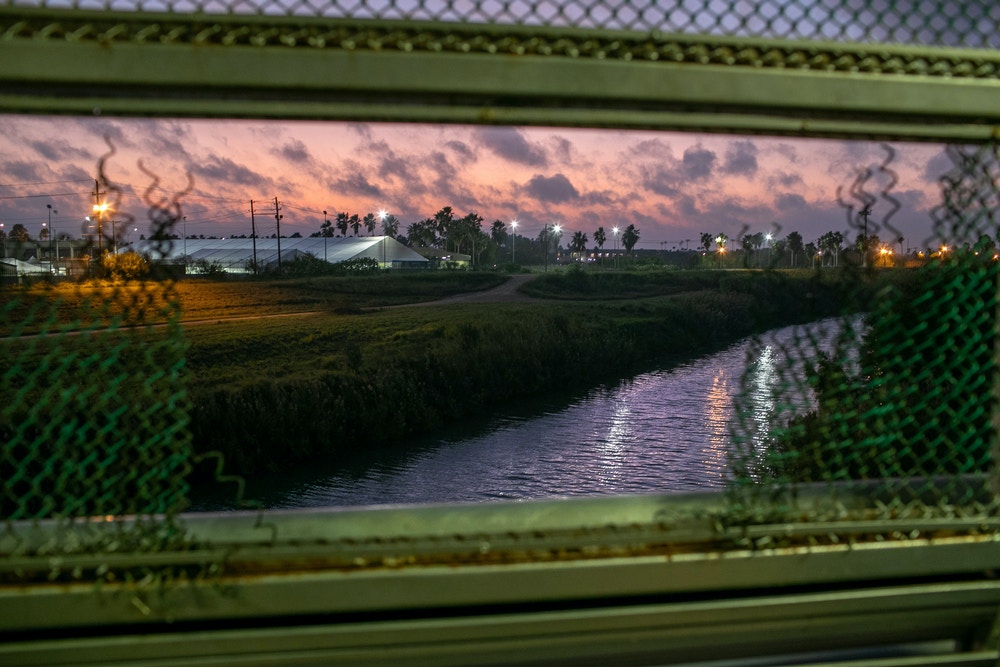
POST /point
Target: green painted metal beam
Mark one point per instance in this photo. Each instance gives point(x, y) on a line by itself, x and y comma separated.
point(212, 66)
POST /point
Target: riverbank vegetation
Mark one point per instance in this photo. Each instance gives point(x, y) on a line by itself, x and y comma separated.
point(276, 393)
point(340, 369)
point(914, 396)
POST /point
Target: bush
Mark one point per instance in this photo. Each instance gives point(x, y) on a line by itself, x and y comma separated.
point(125, 266)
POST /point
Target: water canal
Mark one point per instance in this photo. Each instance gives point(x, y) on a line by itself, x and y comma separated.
point(665, 431)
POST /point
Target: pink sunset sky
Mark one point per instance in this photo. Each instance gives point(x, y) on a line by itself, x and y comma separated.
point(672, 186)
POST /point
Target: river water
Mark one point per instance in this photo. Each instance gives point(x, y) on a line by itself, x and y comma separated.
point(665, 431)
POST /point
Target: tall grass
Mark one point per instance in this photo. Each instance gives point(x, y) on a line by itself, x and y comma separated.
point(336, 383)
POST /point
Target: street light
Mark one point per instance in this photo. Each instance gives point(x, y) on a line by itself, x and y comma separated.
point(99, 209)
point(614, 230)
point(51, 232)
point(513, 244)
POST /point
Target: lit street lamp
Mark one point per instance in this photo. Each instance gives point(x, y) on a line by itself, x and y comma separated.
point(99, 209)
point(513, 243)
point(614, 230)
point(545, 233)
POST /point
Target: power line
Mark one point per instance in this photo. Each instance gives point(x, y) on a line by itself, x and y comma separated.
point(57, 194)
point(20, 185)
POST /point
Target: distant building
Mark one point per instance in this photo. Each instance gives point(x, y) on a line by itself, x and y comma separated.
point(441, 259)
point(237, 255)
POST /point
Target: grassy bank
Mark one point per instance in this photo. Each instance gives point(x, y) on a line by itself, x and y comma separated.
point(280, 393)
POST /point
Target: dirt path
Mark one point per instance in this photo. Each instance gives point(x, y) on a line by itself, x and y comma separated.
point(505, 293)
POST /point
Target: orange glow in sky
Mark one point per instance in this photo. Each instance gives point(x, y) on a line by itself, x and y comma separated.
point(672, 186)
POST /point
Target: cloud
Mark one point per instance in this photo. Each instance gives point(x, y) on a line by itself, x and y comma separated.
point(697, 163)
point(509, 144)
point(223, 169)
point(660, 179)
point(166, 140)
point(552, 189)
point(461, 150)
point(937, 166)
point(785, 179)
point(295, 151)
point(654, 148)
point(354, 183)
point(562, 149)
point(790, 202)
point(741, 158)
point(393, 166)
point(57, 150)
point(22, 172)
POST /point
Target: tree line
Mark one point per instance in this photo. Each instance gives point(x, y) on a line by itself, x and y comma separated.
point(450, 232)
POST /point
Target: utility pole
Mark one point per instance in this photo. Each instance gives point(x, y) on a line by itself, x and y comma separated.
point(99, 209)
point(864, 250)
point(277, 223)
point(253, 236)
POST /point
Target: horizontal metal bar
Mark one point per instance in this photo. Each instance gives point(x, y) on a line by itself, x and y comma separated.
point(665, 632)
point(191, 78)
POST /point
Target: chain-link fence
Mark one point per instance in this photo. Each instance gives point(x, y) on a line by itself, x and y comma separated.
point(897, 397)
point(895, 401)
point(968, 23)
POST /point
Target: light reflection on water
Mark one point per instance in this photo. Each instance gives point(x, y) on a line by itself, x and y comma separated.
point(667, 431)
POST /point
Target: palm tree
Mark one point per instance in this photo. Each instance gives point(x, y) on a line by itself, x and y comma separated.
point(600, 238)
point(390, 225)
point(706, 241)
point(578, 244)
point(794, 242)
point(370, 223)
point(342, 222)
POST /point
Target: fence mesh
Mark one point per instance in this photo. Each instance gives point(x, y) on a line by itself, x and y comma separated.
point(896, 395)
point(900, 389)
point(969, 23)
point(93, 410)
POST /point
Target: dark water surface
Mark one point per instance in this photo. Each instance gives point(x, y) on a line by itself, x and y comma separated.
point(666, 431)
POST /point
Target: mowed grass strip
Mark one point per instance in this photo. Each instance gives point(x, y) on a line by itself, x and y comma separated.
point(66, 306)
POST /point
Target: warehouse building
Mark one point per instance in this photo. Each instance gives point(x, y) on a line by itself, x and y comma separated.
point(239, 255)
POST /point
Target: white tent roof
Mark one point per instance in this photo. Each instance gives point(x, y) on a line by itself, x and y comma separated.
point(23, 267)
point(235, 252)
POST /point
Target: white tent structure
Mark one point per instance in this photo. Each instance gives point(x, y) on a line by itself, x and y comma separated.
point(237, 255)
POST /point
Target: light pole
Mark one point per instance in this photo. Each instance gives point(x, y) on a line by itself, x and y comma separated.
point(513, 242)
point(556, 230)
point(549, 237)
point(99, 209)
point(51, 232)
point(614, 230)
point(864, 247)
point(767, 237)
point(326, 231)
point(382, 215)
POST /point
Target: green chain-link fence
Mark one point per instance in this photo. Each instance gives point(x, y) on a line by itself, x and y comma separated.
point(901, 404)
point(897, 397)
point(93, 409)
point(969, 23)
